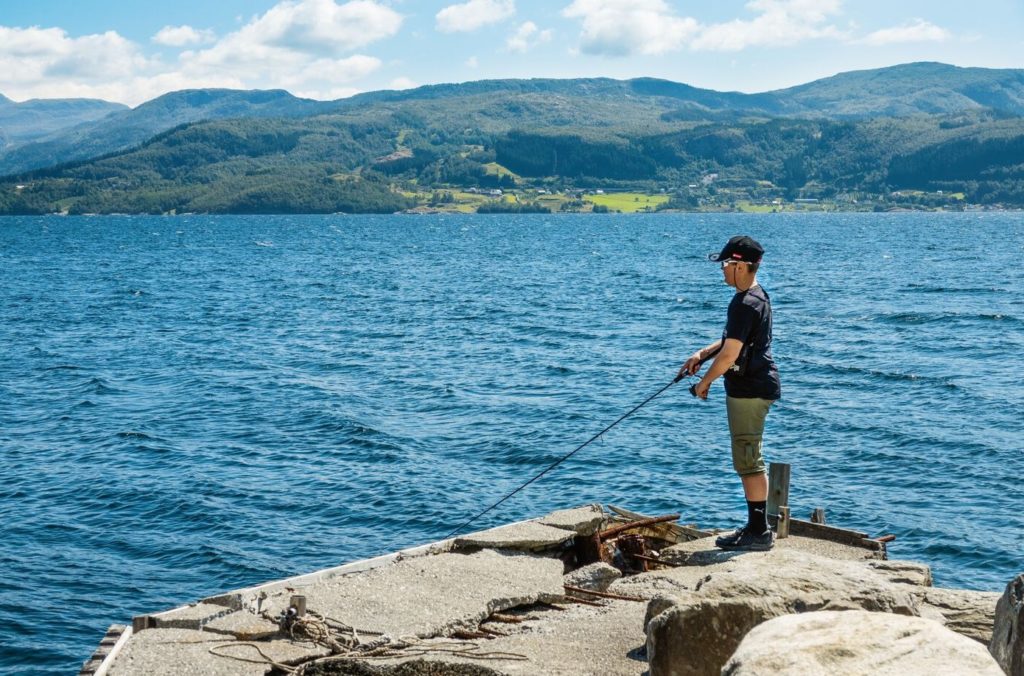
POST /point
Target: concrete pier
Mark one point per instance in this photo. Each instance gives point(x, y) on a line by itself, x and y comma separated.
point(496, 602)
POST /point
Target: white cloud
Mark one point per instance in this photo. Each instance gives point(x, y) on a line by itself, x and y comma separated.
point(180, 36)
point(468, 16)
point(304, 46)
point(526, 37)
point(918, 30)
point(624, 27)
point(321, 27)
point(37, 61)
point(473, 62)
point(778, 23)
point(627, 27)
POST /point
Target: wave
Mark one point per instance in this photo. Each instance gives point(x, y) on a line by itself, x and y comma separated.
point(916, 318)
point(971, 290)
point(64, 367)
point(821, 370)
point(136, 436)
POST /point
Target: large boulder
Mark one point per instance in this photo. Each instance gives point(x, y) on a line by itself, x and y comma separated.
point(857, 642)
point(1008, 634)
point(694, 633)
point(967, 612)
point(697, 639)
point(804, 582)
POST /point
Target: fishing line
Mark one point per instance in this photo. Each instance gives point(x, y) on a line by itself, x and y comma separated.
point(569, 455)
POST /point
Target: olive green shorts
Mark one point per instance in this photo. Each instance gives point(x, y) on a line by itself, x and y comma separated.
point(746, 425)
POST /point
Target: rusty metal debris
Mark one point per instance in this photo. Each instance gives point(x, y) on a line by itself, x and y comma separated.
point(615, 530)
point(633, 548)
point(470, 635)
point(603, 595)
point(656, 560)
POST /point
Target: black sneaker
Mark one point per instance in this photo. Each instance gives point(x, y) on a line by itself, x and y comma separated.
point(729, 540)
point(746, 540)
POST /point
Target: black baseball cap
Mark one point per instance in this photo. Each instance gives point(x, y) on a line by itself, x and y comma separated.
point(740, 248)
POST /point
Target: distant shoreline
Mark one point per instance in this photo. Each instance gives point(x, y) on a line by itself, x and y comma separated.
point(428, 212)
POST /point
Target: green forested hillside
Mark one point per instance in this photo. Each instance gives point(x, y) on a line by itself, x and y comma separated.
point(388, 151)
point(909, 89)
point(228, 166)
point(640, 105)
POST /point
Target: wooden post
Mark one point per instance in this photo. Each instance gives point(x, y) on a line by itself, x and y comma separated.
point(298, 602)
point(778, 486)
point(782, 527)
point(818, 515)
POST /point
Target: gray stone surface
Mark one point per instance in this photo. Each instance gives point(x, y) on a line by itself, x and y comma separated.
point(244, 626)
point(904, 572)
point(186, 652)
point(1008, 634)
point(597, 576)
point(854, 643)
point(190, 617)
point(703, 552)
point(578, 641)
point(808, 582)
point(971, 613)
point(582, 520)
point(696, 639)
point(432, 595)
point(525, 536)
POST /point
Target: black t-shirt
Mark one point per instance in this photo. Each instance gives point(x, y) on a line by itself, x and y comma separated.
point(750, 322)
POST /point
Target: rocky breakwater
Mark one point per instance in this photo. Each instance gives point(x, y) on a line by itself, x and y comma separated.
point(574, 593)
point(804, 608)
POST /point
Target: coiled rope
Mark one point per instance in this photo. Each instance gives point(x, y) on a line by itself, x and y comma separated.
point(344, 643)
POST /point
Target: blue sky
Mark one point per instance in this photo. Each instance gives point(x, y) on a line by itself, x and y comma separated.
point(333, 48)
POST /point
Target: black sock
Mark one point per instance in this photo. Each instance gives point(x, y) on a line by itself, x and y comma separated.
point(757, 516)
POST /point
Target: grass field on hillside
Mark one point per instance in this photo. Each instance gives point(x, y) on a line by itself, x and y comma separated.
point(495, 169)
point(627, 202)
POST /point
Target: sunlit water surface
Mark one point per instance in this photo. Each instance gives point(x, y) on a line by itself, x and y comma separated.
point(194, 404)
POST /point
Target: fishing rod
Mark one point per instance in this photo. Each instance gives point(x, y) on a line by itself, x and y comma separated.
point(558, 462)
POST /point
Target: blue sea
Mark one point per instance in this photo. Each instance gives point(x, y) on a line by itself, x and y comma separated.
point(194, 404)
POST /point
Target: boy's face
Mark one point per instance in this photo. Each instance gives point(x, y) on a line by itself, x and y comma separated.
point(735, 273)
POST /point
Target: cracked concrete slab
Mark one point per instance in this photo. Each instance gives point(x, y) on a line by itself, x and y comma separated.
point(244, 626)
point(190, 617)
point(432, 595)
point(582, 520)
point(528, 536)
point(577, 641)
point(186, 652)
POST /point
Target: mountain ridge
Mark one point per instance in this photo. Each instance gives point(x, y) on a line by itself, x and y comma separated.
point(916, 127)
point(27, 121)
point(894, 91)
